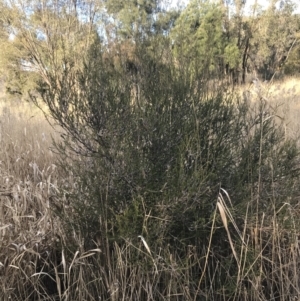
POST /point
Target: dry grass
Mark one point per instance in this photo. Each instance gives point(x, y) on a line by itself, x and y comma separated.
point(283, 99)
point(286, 96)
point(28, 180)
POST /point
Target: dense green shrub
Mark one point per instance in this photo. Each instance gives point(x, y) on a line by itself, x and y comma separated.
point(152, 149)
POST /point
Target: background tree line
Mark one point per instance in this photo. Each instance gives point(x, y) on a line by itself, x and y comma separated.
point(233, 42)
point(159, 146)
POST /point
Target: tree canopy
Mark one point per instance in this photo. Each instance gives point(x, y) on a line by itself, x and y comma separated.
point(224, 40)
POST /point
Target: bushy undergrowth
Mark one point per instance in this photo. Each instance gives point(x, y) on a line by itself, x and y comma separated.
point(164, 192)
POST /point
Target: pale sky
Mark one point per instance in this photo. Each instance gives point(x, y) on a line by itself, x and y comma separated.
point(263, 3)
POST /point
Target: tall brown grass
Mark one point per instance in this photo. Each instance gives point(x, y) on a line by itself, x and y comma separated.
point(282, 97)
point(28, 180)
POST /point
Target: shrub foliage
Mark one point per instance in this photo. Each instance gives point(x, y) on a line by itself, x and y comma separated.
point(195, 170)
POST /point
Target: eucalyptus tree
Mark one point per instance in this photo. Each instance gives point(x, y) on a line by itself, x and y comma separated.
point(47, 38)
point(216, 35)
point(133, 19)
point(273, 39)
point(198, 36)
